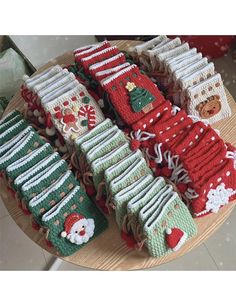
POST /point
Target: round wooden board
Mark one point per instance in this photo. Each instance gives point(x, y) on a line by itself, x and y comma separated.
point(108, 251)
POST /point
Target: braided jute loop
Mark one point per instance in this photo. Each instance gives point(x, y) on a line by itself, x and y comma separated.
point(124, 224)
point(87, 178)
point(74, 160)
point(108, 203)
point(100, 190)
point(182, 196)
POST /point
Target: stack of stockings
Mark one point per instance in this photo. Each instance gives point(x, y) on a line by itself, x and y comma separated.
point(146, 208)
point(190, 80)
point(176, 143)
point(61, 105)
point(45, 188)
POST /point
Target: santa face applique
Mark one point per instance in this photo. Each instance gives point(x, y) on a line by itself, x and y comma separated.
point(78, 229)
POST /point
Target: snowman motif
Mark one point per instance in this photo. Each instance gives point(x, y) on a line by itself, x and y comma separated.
point(78, 229)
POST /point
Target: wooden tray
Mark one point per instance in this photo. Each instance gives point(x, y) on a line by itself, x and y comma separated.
point(108, 251)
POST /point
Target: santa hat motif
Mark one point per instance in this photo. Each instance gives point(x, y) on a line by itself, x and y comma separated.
point(78, 229)
point(175, 238)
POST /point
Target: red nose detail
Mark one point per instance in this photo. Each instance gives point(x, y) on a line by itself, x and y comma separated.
point(82, 232)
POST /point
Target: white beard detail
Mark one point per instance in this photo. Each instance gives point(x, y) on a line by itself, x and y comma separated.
point(84, 224)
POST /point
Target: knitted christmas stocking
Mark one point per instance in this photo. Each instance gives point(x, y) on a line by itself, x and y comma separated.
point(122, 198)
point(26, 145)
point(44, 164)
point(99, 76)
point(86, 62)
point(73, 222)
point(106, 64)
point(41, 181)
point(105, 125)
point(217, 191)
point(169, 227)
point(99, 165)
point(52, 195)
point(139, 94)
point(127, 213)
point(12, 131)
point(28, 161)
point(81, 53)
point(208, 101)
point(13, 141)
point(74, 113)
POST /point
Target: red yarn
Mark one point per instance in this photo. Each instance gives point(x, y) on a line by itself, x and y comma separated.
point(158, 172)
point(11, 191)
point(134, 144)
point(48, 243)
point(90, 190)
point(152, 164)
point(129, 240)
point(35, 226)
point(166, 171)
point(182, 187)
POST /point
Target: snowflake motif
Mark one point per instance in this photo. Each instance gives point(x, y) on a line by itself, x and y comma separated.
point(218, 197)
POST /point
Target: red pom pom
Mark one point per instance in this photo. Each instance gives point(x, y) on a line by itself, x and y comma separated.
point(58, 115)
point(182, 187)
point(129, 239)
point(158, 172)
point(152, 164)
point(166, 171)
point(35, 226)
point(25, 211)
point(134, 144)
point(145, 144)
point(90, 190)
point(48, 243)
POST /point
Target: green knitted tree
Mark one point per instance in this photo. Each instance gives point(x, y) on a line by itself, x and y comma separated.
point(139, 97)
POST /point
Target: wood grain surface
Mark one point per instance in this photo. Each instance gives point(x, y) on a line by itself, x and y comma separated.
point(108, 251)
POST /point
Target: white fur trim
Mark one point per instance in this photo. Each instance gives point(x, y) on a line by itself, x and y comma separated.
point(98, 53)
point(106, 61)
point(181, 242)
point(51, 131)
point(63, 234)
point(114, 76)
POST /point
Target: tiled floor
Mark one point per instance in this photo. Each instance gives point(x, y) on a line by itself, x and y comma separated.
point(18, 252)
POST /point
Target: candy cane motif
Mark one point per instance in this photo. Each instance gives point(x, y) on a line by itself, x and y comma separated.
point(89, 113)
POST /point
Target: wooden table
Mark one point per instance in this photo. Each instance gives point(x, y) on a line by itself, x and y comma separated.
point(108, 251)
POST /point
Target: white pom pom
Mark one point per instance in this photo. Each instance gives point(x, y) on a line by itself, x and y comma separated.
point(36, 113)
point(101, 103)
point(41, 120)
point(57, 143)
point(29, 113)
point(51, 131)
point(168, 231)
point(25, 77)
point(63, 234)
point(62, 149)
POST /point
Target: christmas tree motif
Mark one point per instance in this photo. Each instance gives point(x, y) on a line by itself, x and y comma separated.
point(139, 97)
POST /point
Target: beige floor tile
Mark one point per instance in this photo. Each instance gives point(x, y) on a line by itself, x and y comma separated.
point(17, 251)
point(71, 267)
point(197, 259)
point(222, 245)
point(3, 210)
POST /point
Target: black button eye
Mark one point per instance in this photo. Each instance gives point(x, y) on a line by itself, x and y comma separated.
point(76, 232)
point(83, 227)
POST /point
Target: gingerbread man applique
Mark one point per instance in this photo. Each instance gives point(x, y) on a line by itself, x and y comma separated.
point(67, 119)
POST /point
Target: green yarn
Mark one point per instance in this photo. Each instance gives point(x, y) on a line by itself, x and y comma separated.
point(37, 168)
point(41, 181)
point(154, 230)
point(28, 161)
point(99, 165)
point(12, 131)
point(76, 201)
point(30, 142)
point(139, 98)
point(55, 192)
point(122, 198)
